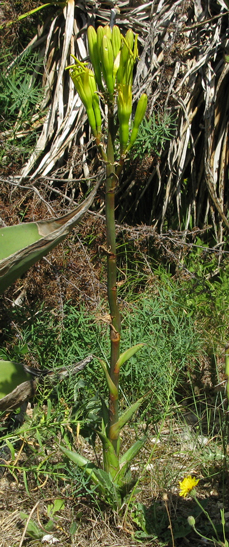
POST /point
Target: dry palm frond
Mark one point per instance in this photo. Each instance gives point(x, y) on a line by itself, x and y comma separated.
point(183, 71)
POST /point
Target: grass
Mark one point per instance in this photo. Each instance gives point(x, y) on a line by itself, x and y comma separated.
point(168, 332)
point(20, 98)
point(153, 134)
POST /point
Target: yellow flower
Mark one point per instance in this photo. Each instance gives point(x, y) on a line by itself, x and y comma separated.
point(187, 485)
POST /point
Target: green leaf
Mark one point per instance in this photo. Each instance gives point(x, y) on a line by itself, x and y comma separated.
point(128, 456)
point(110, 459)
point(73, 528)
point(105, 413)
point(110, 383)
point(84, 464)
point(57, 505)
point(49, 526)
point(111, 490)
point(126, 459)
point(116, 428)
point(104, 479)
point(101, 478)
point(32, 529)
point(127, 355)
point(24, 244)
point(11, 375)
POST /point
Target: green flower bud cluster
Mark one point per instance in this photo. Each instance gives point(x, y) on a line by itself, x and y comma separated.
point(113, 57)
point(85, 84)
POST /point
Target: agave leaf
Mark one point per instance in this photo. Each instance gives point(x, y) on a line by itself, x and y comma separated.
point(11, 375)
point(24, 244)
point(127, 355)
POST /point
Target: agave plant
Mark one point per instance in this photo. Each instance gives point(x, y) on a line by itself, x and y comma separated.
point(24, 244)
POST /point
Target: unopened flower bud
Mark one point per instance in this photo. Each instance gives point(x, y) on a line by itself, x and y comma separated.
point(191, 521)
point(94, 54)
point(108, 63)
point(139, 115)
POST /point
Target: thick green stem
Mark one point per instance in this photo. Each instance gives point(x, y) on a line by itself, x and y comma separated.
point(115, 326)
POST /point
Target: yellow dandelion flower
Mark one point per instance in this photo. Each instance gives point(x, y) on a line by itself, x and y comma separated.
point(187, 485)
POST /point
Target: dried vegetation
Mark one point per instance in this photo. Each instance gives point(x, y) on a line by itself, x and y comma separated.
point(183, 70)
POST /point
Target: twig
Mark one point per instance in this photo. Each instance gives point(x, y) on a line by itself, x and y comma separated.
point(27, 523)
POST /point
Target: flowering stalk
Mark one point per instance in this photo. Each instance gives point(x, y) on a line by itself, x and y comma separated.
point(115, 325)
point(113, 57)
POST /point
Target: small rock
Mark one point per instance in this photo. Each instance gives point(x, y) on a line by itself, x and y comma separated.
point(48, 538)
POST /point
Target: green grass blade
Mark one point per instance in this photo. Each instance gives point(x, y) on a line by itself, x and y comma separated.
point(27, 14)
point(11, 448)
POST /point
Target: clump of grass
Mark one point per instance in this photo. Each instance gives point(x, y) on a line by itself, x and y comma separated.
point(153, 134)
point(20, 96)
point(169, 334)
point(17, 90)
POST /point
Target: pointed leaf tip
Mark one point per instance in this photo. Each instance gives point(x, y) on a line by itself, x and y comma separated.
point(127, 355)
